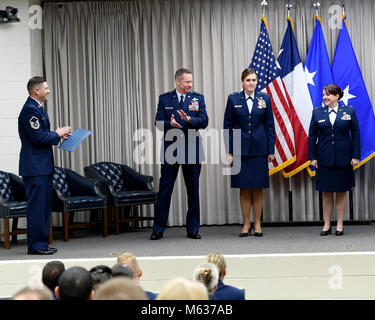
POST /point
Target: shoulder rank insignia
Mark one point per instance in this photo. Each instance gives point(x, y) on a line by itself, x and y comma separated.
point(34, 122)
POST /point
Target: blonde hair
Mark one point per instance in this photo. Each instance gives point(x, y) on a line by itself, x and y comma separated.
point(29, 293)
point(218, 259)
point(207, 274)
point(131, 260)
point(120, 288)
point(183, 289)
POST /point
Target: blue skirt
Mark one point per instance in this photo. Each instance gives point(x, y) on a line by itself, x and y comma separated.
point(334, 179)
point(253, 173)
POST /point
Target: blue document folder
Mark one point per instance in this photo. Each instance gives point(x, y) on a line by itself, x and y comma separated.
point(75, 140)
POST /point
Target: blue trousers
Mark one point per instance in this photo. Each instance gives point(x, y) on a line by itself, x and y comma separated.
point(168, 177)
point(39, 201)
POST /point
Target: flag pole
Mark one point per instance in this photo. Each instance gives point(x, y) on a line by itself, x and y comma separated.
point(316, 5)
point(351, 207)
point(288, 6)
point(290, 192)
point(264, 4)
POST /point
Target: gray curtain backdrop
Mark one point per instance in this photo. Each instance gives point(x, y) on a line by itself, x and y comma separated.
point(107, 63)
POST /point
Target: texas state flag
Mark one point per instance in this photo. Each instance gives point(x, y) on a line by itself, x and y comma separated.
point(294, 78)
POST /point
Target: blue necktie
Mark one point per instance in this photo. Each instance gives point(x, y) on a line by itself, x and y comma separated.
point(181, 102)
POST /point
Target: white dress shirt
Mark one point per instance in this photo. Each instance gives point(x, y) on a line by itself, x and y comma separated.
point(179, 96)
point(249, 101)
point(332, 115)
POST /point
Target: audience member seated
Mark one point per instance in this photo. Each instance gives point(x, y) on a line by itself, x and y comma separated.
point(130, 259)
point(75, 284)
point(183, 289)
point(120, 288)
point(122, 270)
point(29, 293)
point(100, 274)
point(51, 273)
point(207, 274)
point(223, 291)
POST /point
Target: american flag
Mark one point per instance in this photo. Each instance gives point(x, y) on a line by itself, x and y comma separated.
point(269, 81)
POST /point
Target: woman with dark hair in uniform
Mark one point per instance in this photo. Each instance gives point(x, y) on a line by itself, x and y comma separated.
point(334, 149)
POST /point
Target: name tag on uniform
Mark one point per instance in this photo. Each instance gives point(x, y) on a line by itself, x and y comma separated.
point(346, 117)
point(238, 106)
point(44, 118)
point(168, 108)
point(321, 120)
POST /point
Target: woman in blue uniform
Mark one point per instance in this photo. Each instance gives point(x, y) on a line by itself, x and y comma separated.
point(334, 148)
point(250, 112)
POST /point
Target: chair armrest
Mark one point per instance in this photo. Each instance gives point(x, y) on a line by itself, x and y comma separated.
point(135, 180)
point(105, 186)
point(18, 187)
point(81, 186)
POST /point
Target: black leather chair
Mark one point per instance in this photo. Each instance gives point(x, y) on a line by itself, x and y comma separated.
point(124, 187)
point(13, 205)
point(73, 192)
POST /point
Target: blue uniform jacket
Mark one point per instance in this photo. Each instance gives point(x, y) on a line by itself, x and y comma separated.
point(225, 292)
point(195, 107)
point(257, 128)
point(334, 145)
point(36, 157)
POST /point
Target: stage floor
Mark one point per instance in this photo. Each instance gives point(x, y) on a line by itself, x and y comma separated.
point(292, 262)
point(223, 239)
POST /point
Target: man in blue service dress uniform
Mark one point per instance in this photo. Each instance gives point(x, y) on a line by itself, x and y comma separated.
point(185, 111)
point(36, 164)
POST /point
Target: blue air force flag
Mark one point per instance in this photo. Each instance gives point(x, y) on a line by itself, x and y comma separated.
point(317, 65)
point(348, 76)
point(317, 69)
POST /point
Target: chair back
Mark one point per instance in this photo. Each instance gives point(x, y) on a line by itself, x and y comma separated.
point(112, 172)
point(5, 187)
point(60, 181)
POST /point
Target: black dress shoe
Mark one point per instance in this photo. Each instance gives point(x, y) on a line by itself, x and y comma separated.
point(326, 233)
point(245, 234)
point(339, 233)
point(257, 234)
point(52, 249)
point(156, 236)
point(194, 235)
point(42, 252)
